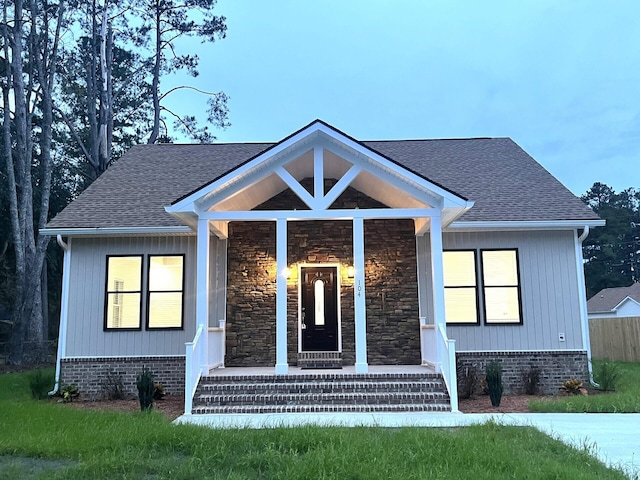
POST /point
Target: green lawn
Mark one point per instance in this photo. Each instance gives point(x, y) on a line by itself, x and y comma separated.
point(626, 398)
point(47, 440)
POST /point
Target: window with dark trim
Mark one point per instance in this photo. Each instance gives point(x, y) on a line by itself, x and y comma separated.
point(501, 286)
point(460, 287)
point(123, 298)
point(165, 291)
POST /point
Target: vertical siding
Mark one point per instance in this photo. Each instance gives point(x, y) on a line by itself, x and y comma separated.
point(86, 337)
point(548, 285)
point(217, 280)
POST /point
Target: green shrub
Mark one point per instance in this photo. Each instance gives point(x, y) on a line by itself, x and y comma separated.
point(40, 383)
point(606, 374)
point(145, 385)
point(69, 392)
point(573, 386)
point(158, 391)
point(494, 382)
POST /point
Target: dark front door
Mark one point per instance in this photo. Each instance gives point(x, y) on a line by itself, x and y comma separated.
point(319, 309)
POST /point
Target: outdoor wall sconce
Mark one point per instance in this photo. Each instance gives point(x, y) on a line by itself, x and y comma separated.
point(287, 273)
point(351, 272)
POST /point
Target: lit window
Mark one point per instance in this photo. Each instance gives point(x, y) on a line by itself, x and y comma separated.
point(124, 292)
point(460, 286)
point(166, 279)
point(501, 288)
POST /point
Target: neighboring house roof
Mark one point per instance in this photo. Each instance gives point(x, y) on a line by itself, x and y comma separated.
point(505, 183)
point(608, 299)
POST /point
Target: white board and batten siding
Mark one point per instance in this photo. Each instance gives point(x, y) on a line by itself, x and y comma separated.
point(86, 336)
point(548, 286)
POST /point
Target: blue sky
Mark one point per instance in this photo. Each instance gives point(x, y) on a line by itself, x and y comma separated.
point(561, 78)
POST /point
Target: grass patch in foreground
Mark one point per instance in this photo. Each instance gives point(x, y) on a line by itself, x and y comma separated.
point(626, 398)
point(66, 443)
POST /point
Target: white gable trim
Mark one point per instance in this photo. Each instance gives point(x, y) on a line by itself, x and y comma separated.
point(316, 136)
point(626, 299)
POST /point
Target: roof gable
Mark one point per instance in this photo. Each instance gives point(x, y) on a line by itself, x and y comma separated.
point(611, 299)
point(321, 152)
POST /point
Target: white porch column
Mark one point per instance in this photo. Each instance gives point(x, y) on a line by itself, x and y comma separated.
point(203, 266)
point(282, 367)
point(359, 296)
point(437, 274)
point(437, 281)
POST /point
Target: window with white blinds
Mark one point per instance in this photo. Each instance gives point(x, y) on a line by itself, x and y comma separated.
point(501, 287)
point(166, 291)
point(460, 287)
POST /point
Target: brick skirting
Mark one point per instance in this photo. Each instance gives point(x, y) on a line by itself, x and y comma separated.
point(555, 367)
point(89, 374)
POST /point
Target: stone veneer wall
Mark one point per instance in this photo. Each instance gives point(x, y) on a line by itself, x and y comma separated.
point(391, 287)
point(555, 367)
point(89, 374)
point(393, 335)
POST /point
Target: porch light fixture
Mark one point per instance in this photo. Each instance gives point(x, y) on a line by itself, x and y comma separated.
point(287, 272)
point(351, 272)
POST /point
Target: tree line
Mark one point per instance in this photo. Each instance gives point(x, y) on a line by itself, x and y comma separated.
point(81, 82)
point(612, 253)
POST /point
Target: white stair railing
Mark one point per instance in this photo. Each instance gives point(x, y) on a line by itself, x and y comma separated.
point(195, 363)
point(447, 362)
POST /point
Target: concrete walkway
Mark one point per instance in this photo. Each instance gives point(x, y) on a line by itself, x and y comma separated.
point(614, 438)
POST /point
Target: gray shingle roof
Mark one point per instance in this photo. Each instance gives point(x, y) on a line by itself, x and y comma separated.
point(608, 298)
point(505, 183)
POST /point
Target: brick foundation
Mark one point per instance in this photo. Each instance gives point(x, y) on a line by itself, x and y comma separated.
point(89, 374)
point(555, 367)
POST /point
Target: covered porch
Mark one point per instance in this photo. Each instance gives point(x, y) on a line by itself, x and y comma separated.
point(315, 170)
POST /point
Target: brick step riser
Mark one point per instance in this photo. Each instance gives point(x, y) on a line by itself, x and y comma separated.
point(318, 388)
point(364, 378)
point(323, 400)
point(322, 408)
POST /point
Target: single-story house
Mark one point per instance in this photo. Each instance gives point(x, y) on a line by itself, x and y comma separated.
point(615, 302)
point(323, 251)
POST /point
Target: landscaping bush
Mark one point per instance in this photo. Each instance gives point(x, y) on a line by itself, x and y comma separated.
point(146, 388)
point(494, 382)
point(69, 392)
point(113, 387)
point(531, 380)
point(606, 374)
point(40, 383)
point(468, 381)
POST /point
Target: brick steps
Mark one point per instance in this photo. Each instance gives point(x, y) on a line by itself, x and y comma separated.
point(323, 399)
point(319, 387)
point(319, 360)
point(321, 392)
point(260, 409)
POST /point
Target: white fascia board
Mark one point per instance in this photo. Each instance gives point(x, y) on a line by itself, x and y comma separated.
point(391, 167)
point(116, 231)
point(525, 225)
point(533, 350)
point(337, 214)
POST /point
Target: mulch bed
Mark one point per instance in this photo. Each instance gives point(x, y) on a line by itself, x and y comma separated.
point(508, 404)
